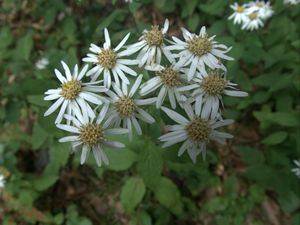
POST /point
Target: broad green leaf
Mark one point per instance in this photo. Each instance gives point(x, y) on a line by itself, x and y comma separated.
point(120, 159)
point(168, 195)
point(150, 164)
point(44, 182)
point(275, 138)
point(250, 155)
point(24, 46)
point(39, 136)
point(132, 193)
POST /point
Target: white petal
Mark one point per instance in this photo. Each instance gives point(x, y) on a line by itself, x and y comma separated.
point(59, 76)
point(54, 106)
point(120, 45)
point(84, 154)
point(69, 138)
point(67, 71)
point(175, 116)
point(106, 36)
point(68, 128)
point(136, 85)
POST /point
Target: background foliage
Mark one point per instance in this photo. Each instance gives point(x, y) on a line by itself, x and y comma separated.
point(248, 181)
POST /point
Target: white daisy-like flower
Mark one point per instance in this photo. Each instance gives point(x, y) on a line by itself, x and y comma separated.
point(253, 22)
point(126, 108)
point(152, 45)
point(92, 135)
point(292, 2)
point(239, 15)
point(262, 8)
point(168, 79)
point(194, 131)
point(208, 91)
point(198, 51)
point(109, 61)
point(297, 169)
point(73, 92)
point(2, 181)
point(42, 63)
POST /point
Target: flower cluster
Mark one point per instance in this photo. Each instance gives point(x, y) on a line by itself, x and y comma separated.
point(185, 75)
point(251, 15)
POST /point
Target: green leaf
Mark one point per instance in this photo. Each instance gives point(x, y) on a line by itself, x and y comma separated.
point(39, 136)
point(44, 182)
point(59, 153)
point(168, 195)
point(281, 118)
point(150, 164)
point(250, 155)
point(275, 138)
point(38, 100)
point(24, 46)
point(120, 159)
point(109, 19)
point(132, 193)
point(217, 204)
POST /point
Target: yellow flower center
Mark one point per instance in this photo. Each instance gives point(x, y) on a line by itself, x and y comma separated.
point(125, 106)
point(253, 16)
point(107, 58)
point(198, 130)
point(71, 89)
point(199, 45)
point(259, 4)
point(213, 84)
point(91, 134)
point(169, 77)
point(154, 36)
point(240, 9)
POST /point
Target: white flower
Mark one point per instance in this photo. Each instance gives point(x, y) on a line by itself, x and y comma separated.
point(109, 61)
point(41, 63)
point(126, 108)
point(239, 15)
point(198, 51)
point(208, 92)
point(152, 45)
point(263, 9)
point(73, 93)
point(297, 169)
point(253, 22)
point(195, 132)
point(169, 79)
point(2, 181)
point(91, 135)
point(291, 2)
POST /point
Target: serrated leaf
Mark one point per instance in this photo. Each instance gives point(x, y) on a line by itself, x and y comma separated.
point(120, 159)
point(168, 195)
point(150, 164)
point(132, 193)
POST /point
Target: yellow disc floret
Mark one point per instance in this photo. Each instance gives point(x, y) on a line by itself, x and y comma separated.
point(107, 58)
point(169, 77)
point(199, 45)
point(91, 134)
point(71, 89)
point(198, 130)
point(154, 37)
point(125, 106)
